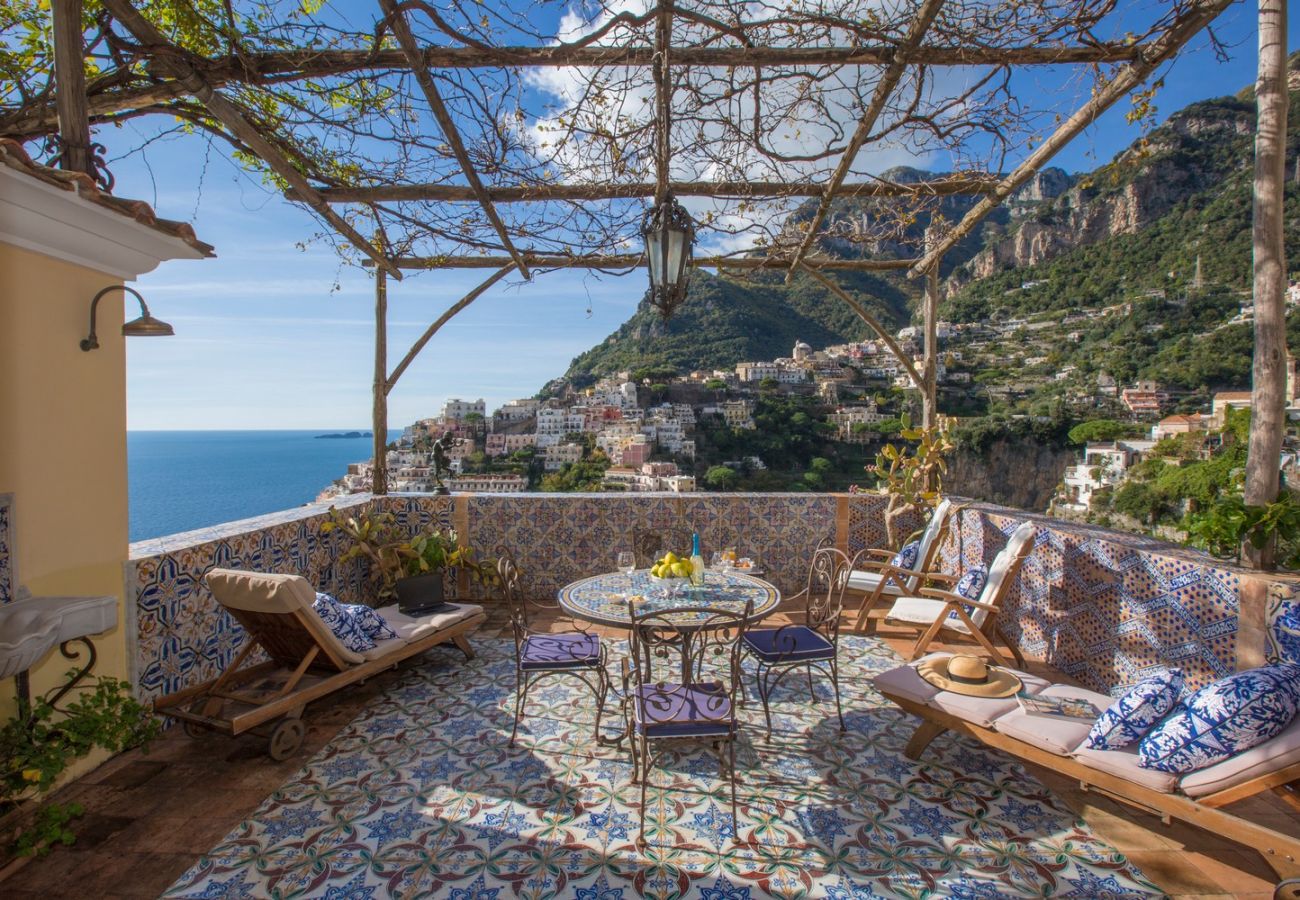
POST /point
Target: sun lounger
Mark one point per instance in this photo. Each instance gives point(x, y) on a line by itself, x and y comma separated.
point(305, 660)
point(1197, 798)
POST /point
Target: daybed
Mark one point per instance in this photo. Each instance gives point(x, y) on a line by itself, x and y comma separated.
point(306, 661)
point(1058, 744)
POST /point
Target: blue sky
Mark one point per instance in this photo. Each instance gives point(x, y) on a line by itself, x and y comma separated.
point(264, 340)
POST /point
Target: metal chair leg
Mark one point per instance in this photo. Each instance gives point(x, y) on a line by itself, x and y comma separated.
point(763, 689)
point(835, 684)
point(731, 774)
point(521, 694)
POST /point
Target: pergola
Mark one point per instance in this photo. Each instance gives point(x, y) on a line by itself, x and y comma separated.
point(443, 156)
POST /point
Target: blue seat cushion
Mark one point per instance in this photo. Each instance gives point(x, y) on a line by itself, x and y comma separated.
point(1223, 719)
point(676, 710)
point(793, 643)
point(573, 650)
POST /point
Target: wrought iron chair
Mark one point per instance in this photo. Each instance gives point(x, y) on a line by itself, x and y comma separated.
point(680, 687)
point(812, 645)
point(539, 655)
point(651, 543)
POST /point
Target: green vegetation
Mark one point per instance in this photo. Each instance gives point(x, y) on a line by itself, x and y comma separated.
point(586, 475)
point(1102, 430)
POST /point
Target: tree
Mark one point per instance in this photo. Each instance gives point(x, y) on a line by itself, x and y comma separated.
point(716, 384)
point(722, 478)
point(1099, 430)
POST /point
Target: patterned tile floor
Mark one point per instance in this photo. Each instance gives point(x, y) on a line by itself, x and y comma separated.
point(408, 788)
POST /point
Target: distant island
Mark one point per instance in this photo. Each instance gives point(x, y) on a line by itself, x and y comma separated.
point(344, 435)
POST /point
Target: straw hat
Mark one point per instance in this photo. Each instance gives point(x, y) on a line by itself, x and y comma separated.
point(968, 675)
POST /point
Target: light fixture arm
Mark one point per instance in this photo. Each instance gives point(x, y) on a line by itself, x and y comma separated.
point(91, 341)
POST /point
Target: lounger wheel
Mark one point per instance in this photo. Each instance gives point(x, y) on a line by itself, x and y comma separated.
point(286, 739)
point(1287, 890)
point(194, 729)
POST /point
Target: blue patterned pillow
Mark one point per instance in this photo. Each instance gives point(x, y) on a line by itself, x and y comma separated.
point(1128, 719)
point(345, 626)
point(906, 557)
point(371, 622)
point(970, 586)
point(1223, 719)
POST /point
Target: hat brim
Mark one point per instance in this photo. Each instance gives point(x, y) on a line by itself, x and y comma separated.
point(1001, 683)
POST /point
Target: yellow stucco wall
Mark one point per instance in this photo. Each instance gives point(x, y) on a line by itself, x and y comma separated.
point(63, 441)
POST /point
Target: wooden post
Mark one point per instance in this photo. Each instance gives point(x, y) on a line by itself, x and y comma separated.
point(70, 88)
point(379, 418)
point(930, 390)
point(1268, 385)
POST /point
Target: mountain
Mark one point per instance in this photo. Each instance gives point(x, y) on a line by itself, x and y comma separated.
point(1134, 227)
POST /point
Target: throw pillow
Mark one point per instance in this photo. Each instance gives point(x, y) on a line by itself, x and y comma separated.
point(1128, 719)
point(906, 557)
point(1223, 719)
point(971, 585)
point(344, 625)
point(1286, 631)
point(371, 622)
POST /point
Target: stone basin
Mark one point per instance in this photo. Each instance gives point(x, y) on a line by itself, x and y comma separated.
point(32, 627)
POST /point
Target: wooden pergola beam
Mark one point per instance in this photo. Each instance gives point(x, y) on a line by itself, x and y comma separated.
point(233, 118)
point(70, 88)
point(1156, 54)
point(879, 97)
point(531, 193)
point(663, 98)
point(402, 31)
point(637, 260)
point(271, 67)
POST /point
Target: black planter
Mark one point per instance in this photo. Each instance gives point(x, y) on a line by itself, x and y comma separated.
point(420, 594)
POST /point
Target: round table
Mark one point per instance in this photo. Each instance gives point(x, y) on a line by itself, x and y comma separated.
point(602, 599)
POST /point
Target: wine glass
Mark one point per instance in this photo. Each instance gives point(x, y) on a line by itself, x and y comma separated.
point(626, 562)
point(717, 560)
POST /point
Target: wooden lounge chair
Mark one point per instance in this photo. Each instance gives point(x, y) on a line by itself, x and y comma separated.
point(306, 661)
point(1197, 798)
point(940, 612)
point(876, 577)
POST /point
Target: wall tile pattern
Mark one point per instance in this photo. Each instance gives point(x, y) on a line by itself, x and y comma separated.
point(1105, 607)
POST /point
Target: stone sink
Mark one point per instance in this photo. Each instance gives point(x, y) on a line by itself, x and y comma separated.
point(33, 626)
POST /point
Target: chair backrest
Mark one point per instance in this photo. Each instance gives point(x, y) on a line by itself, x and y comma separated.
point(276, 610)
point(1005, 568)
point(936, 530)
point(508, 574)
point(664, 650)
point(828, 577)
point(648, 544)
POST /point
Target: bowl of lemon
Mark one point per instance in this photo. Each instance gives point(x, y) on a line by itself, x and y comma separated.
point(671, 566)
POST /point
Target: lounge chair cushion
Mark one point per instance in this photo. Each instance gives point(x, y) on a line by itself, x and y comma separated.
point(1055, 734)
point(1223, 719)
point(371, 622)
point(343, 623)
point(904, 682)
point(923, 611)
point(1128, 719)
point(571, 650)
point(793, 643)
point(867, 582)
point(1286, 632)
point(1127, 765)
point(413, 628)
point(674, 710)
point(1270, 756)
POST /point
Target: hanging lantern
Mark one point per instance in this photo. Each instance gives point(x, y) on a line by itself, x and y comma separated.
point(669, 236)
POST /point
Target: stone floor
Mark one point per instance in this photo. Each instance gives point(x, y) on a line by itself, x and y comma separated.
point(150, 816)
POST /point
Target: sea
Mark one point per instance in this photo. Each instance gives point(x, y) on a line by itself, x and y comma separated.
point(182, 480)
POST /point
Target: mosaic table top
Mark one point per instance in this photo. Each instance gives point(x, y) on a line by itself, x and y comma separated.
point(603, 598)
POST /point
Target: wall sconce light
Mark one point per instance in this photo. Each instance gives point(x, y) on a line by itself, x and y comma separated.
point(145, 326)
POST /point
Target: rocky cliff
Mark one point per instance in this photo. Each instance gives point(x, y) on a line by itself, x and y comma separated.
point(1020, 473)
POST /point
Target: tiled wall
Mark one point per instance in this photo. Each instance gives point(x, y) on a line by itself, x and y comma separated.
point(1103, 606)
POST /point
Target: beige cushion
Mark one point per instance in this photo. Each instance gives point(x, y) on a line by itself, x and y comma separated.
point(1278, 753)
point(410, 628)
point(904, 682)
point(268, 592)
point(1055, 734)
point(923, 611)
point(866, 582)
point(1124, 763)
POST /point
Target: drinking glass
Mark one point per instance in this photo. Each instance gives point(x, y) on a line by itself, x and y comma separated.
point(717, 560)
point(627, 562)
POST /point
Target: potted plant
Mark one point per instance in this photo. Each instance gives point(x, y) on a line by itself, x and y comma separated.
point(408, 568)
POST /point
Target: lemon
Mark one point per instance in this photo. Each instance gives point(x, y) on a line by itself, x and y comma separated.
point(670, 557)
point(681, 569)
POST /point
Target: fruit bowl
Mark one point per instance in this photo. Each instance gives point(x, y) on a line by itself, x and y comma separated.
point(654, 577)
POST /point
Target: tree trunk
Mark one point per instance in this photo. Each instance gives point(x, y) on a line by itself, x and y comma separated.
point(70, 92)
point(379, 413)
point(1269, 375)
